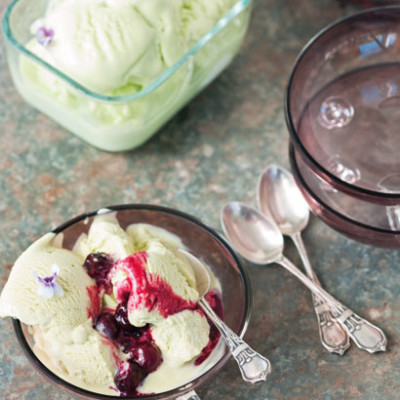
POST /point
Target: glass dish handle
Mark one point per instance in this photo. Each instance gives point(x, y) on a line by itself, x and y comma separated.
point(192, 395)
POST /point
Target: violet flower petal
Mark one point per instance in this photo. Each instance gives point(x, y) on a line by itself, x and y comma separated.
point(48, 287)
point(58, 290)
point(44, 36)
point(55, 269)
point(46, 292)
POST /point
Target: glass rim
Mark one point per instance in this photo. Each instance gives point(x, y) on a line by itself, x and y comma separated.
point(178, 390)
point(325, 173)
point(235, 10)
point(331, 210)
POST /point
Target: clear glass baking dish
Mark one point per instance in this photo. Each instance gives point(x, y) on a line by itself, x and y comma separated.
point(123, 122)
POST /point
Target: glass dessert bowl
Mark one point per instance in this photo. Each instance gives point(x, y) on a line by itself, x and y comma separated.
point(342, 105)
point(358, 219)
point(119, 117)
point(198, 239)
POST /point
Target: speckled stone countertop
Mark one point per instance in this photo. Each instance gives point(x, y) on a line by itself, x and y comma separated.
point(210, 153)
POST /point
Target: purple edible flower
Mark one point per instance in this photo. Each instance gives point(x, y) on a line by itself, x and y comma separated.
point(48, 286)
point(44, 36)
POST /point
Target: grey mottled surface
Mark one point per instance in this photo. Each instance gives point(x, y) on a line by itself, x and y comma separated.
point(210, 153)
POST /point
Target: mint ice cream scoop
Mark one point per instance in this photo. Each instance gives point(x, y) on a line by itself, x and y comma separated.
point(105, 45)
point(62, 324)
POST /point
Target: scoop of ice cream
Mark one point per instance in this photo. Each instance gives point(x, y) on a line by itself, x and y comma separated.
point(20, 298)
point(62, 319)
point(173, 268)
point(105, 236)
point(89, 359)
point(106, 44)
point(111, 46)
point(199, 16)
point(182, 336)
point(141, 234)
point(158, 282)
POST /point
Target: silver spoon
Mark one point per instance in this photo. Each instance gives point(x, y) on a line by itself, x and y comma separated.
point(257, 238)
point(280, 198)
point(253, 366)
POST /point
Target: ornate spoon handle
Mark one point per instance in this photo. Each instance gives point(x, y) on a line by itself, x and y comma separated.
point(253, 366)
point(192, 395)
point(333, 337)
point(365, 335)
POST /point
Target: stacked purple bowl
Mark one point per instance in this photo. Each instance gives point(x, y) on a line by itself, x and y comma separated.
point(343, 114)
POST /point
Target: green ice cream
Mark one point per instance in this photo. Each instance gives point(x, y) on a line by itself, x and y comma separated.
point(107, 45)
point(61, 324)
point(106, 236)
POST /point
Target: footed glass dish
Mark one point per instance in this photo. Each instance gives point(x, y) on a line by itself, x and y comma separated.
point(124, 120)
point(199, 240)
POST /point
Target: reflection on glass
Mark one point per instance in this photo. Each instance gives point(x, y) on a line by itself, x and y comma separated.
point(378, 43)
point(391, 184)
point(344, 170)
point(335, 112)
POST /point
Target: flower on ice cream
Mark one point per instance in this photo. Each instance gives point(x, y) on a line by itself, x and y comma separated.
point(48, 287)
point(44, 36)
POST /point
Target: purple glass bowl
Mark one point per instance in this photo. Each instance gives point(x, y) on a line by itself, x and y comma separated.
point(360, 220)
point(200, 240)
point(342, 105)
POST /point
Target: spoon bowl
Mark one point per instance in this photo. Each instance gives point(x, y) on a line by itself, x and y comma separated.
point(251, 233)
point(279, 197)
point(201, 273)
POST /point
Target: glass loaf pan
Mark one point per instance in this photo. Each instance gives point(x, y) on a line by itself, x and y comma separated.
point(120, 123)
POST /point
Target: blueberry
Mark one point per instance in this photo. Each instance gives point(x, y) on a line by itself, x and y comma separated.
point(98, 265)
point(127, 380)
point(147, 355)
point(121, 317)
point(106, 324)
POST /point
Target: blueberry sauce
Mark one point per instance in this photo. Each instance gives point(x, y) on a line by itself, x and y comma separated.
point(150, 291)
point(95, 302)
